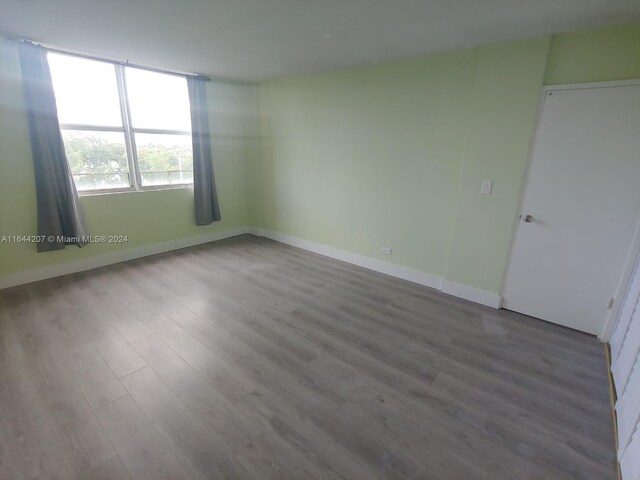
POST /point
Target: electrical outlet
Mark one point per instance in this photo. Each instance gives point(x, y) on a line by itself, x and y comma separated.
point(486, 186)
point(385, 250)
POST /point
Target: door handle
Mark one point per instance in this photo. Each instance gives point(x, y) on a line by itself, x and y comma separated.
point(528, 218)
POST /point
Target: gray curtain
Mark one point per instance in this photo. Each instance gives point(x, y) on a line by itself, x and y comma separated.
point(204, 184)
point(59, 219)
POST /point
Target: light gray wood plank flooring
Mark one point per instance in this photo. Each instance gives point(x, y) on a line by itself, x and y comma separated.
point(246, 358)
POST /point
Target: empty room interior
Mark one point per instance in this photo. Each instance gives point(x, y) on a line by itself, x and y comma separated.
point(339, 239)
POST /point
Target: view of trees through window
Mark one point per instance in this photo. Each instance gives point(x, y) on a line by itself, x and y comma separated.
point(164, 159)
point(165, 164)
point(98, 160)
point(103, 108)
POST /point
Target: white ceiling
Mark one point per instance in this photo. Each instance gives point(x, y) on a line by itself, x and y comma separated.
point(264, 39)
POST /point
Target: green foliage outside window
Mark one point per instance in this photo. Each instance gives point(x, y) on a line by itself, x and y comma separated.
point(99, 160)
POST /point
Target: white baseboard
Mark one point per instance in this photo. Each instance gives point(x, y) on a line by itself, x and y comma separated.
point(472, 294)
point(33, 275)
point(458, 290)
point(463, 291)
point(405, 273)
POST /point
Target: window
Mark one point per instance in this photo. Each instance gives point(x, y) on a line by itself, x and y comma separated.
point(123, 128)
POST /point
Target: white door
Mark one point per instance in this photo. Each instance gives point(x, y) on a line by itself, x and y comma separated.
point(629, 309)
point(580, 206)
point(625, 367)
point(630, 461)
point(625, 345)
point(628, 409)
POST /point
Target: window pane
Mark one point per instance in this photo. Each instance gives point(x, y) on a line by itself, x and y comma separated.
point(164, 159)
point(97, 159)
point(158, 100)
point(86, 91)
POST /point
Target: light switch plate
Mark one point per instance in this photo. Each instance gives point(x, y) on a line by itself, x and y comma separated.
point(486, 187)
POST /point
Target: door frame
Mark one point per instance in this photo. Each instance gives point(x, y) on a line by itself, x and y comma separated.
point(635, 246)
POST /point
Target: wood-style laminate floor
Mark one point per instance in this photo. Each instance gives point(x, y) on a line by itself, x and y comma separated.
point(247, 358)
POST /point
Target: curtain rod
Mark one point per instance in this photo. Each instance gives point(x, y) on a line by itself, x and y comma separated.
point(125, 63)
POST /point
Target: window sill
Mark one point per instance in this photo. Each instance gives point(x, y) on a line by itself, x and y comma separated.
point(115, 191)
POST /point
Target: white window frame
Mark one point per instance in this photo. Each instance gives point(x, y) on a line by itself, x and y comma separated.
point(129, 137)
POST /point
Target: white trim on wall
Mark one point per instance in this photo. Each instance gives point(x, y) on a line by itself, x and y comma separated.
point(36, 274)
point(397, 271)
point(632, 82)
point(472, 294)
point(433, 281)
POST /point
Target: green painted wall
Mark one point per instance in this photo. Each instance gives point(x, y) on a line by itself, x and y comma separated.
point(146, 217)
point(594, 56)
point(394, 154)
point(368, 157)
point(389, 154)
point(502, 119)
